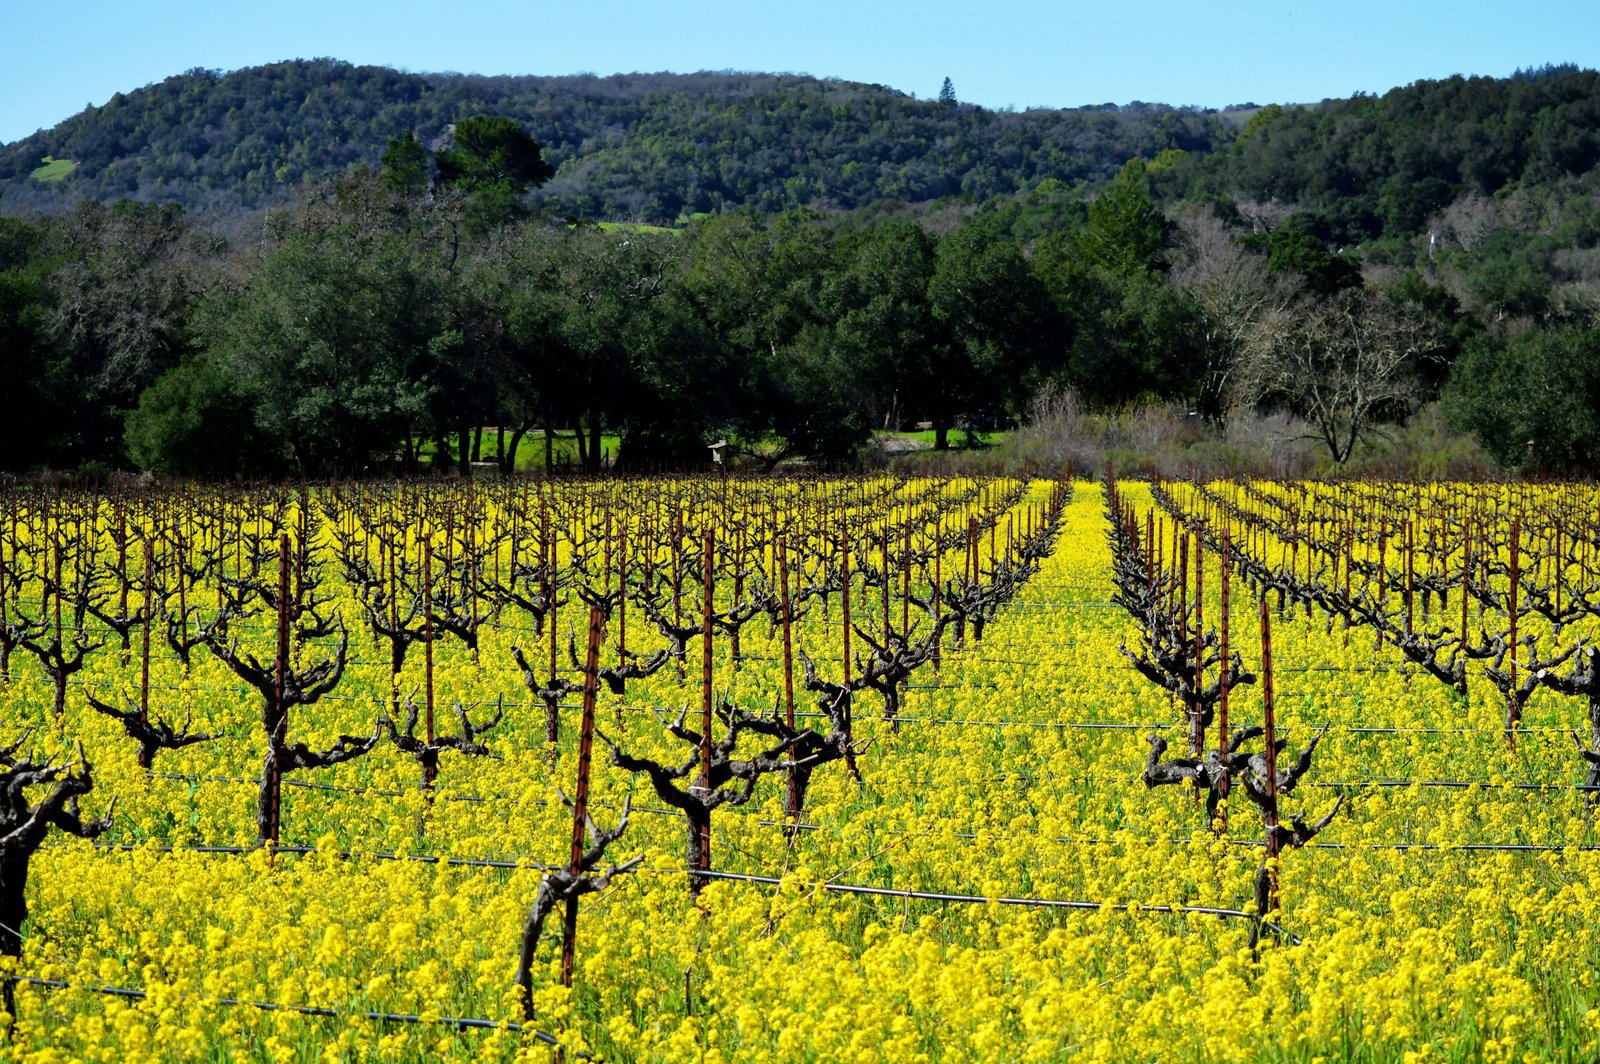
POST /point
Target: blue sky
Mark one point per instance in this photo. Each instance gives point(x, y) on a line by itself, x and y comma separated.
point(63, 55)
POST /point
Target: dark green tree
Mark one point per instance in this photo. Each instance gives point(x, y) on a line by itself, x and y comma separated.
point(1534, 401)
point(405, 166)
point(877, 299)
point(1126, 232)
point(493, 162)
point(988, 312)
point(340, 333)
point(199, 420)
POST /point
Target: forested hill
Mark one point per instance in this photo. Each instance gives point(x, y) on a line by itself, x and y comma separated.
point(648, 147)
point(1382, 166)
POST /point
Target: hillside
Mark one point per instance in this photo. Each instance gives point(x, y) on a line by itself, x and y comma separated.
point(1381, 166)
point(647, 147)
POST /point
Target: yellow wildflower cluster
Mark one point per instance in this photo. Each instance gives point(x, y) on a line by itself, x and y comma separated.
point(1448, 912)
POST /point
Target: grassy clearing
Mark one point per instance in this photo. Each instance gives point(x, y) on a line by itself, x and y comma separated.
point(924, 438)
point(54, 169)
point(530, 451)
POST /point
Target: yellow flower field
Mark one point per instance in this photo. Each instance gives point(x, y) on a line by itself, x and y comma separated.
point(1449, 910)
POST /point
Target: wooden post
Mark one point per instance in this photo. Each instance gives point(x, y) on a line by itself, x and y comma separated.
point(277, 723)
point(792, 805)
point(1269, 724)
point(552, 713)
point(144, 642)
point(738, 590)
point(883, 540)
point(1411, 576)
point(1383, 581)
point(704, 855)
point(844, 603)
point(5, 644)
point(1199, 744)
point(1224, 667)
point(580, 798)
point(622, 592)
point(677, 578)
point(1514, 713)
point(430, 767)
point(938, 596)
point(122, 571)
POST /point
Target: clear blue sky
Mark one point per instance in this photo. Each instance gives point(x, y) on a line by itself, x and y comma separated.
point(63, 54)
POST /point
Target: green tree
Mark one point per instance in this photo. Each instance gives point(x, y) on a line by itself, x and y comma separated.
point(1534, 401)
point(1125, 231)
point(492, 162)
point(987, 310)
point(340, 334)
point(198, 420)
point(405, 166)
point(40, 389)
point(877, 299)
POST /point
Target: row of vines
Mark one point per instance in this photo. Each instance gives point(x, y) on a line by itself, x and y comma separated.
point(885, 768)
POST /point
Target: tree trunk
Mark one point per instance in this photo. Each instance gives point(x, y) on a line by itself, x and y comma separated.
point(13, 902)
point(508, 463)
point(549, 448)
point(269, 798)
point(543, 902)
point(464, 452)
point(594, 444)
point(697, 856)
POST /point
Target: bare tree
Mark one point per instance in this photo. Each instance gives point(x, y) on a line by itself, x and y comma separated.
point(1340, 362)
point(1234, 291)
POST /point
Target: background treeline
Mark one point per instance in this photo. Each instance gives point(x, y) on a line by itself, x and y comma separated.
point(1343, 273)
point(637, 147)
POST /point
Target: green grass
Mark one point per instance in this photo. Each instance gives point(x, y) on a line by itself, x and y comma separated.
point(54, 169)
point(530, 452)
point(957, 437)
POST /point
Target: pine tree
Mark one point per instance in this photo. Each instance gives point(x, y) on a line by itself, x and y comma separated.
point(947, 94)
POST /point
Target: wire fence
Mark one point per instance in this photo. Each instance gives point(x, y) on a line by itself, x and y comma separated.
point(457, 1023)
point(826, 886)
